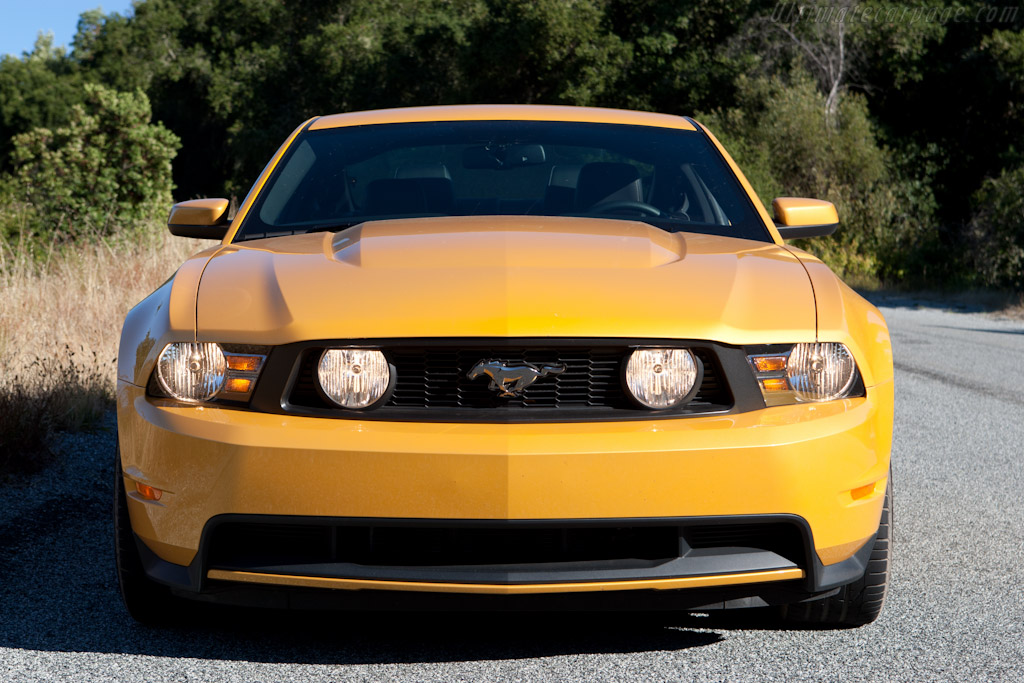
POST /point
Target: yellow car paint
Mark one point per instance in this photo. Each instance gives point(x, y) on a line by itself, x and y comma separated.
point(843, 315)
point(198, 212)
point(166, 315)
point(503, 112)
point(505, 277)
point(782, 459)
point(792, 211)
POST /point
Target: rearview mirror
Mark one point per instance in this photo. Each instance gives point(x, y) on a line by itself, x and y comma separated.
point(499, 157)
point(201, 218)
point(800, 217)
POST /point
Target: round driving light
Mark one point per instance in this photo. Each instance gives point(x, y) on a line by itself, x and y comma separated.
point(191, 371)
point(662, 378)
point(354, 378)
point(821, 371)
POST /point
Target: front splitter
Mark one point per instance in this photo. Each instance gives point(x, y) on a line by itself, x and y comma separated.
point(499, 589)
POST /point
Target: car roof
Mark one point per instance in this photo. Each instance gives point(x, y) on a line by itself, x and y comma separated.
point(502, 112)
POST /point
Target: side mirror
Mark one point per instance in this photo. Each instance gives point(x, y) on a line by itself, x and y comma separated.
point(203, 218)
point(799, 217)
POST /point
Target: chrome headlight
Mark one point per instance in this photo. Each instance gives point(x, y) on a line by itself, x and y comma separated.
point(662, 378)
point(805, 372)
point(820, 372)
point(192, 371)
point(354, 378)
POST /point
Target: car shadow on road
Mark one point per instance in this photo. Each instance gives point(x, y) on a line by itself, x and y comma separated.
point(58, 594)
point(97, 623)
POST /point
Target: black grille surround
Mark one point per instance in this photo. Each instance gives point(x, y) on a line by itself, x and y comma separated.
point(432, 385)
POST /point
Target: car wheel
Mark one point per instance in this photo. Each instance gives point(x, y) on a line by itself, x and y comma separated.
point(860, 602)
point(146, 600)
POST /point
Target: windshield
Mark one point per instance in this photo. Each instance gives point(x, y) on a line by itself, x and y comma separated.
point(334, 178)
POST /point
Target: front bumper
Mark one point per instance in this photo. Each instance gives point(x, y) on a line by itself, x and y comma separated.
point(824, 466)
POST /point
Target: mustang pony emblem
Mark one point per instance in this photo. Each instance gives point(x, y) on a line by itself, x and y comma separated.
point(510, 379)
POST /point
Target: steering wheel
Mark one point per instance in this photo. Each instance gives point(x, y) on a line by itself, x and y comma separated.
point(625, 204)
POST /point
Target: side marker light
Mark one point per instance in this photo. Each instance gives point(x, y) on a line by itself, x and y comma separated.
point(148, 492)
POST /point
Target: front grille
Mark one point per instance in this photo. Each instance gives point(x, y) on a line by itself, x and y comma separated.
point(430, 378)
point(239, 545)
point(435, 378)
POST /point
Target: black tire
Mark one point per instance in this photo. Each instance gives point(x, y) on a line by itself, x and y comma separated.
point(860, 602)
point(147, 601)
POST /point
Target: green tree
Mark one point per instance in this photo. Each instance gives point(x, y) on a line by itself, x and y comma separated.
point(37, 89)
point(105, 173)
point(996, 236)
point(783, 136)
point(233, 78)
point(898, 110)
point(681, 59)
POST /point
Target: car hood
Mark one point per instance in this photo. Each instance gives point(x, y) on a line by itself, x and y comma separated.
point(504, 277)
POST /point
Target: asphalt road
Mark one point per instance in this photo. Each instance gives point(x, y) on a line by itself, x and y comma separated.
point(955, 611)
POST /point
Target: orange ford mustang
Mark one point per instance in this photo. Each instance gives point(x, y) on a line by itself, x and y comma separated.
point(503, 351)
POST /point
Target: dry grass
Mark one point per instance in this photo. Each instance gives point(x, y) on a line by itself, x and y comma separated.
point(1016, 309)
point(60, 322)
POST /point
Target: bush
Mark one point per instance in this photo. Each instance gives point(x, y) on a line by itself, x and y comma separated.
point(996, 234)
point(780, 135)
point(16, 217)
point(105, 173)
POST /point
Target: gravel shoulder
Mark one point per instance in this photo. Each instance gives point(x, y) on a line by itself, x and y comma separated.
point(955, 611)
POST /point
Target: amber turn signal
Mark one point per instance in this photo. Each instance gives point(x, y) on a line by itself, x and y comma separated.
point(862, 491)
point(238, 385)
point(775, 384)
point(147, 491)
point(243, 363)
point(769, 363)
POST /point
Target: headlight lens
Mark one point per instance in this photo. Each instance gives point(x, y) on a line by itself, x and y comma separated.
point(820, 372)
point(662, 378)
point(354, 378)
point(191, 371)
point(805, 372)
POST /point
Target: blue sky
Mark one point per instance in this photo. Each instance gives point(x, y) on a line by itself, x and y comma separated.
point(22, 20)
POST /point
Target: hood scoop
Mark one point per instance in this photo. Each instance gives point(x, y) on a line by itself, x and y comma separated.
point(507, 242)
